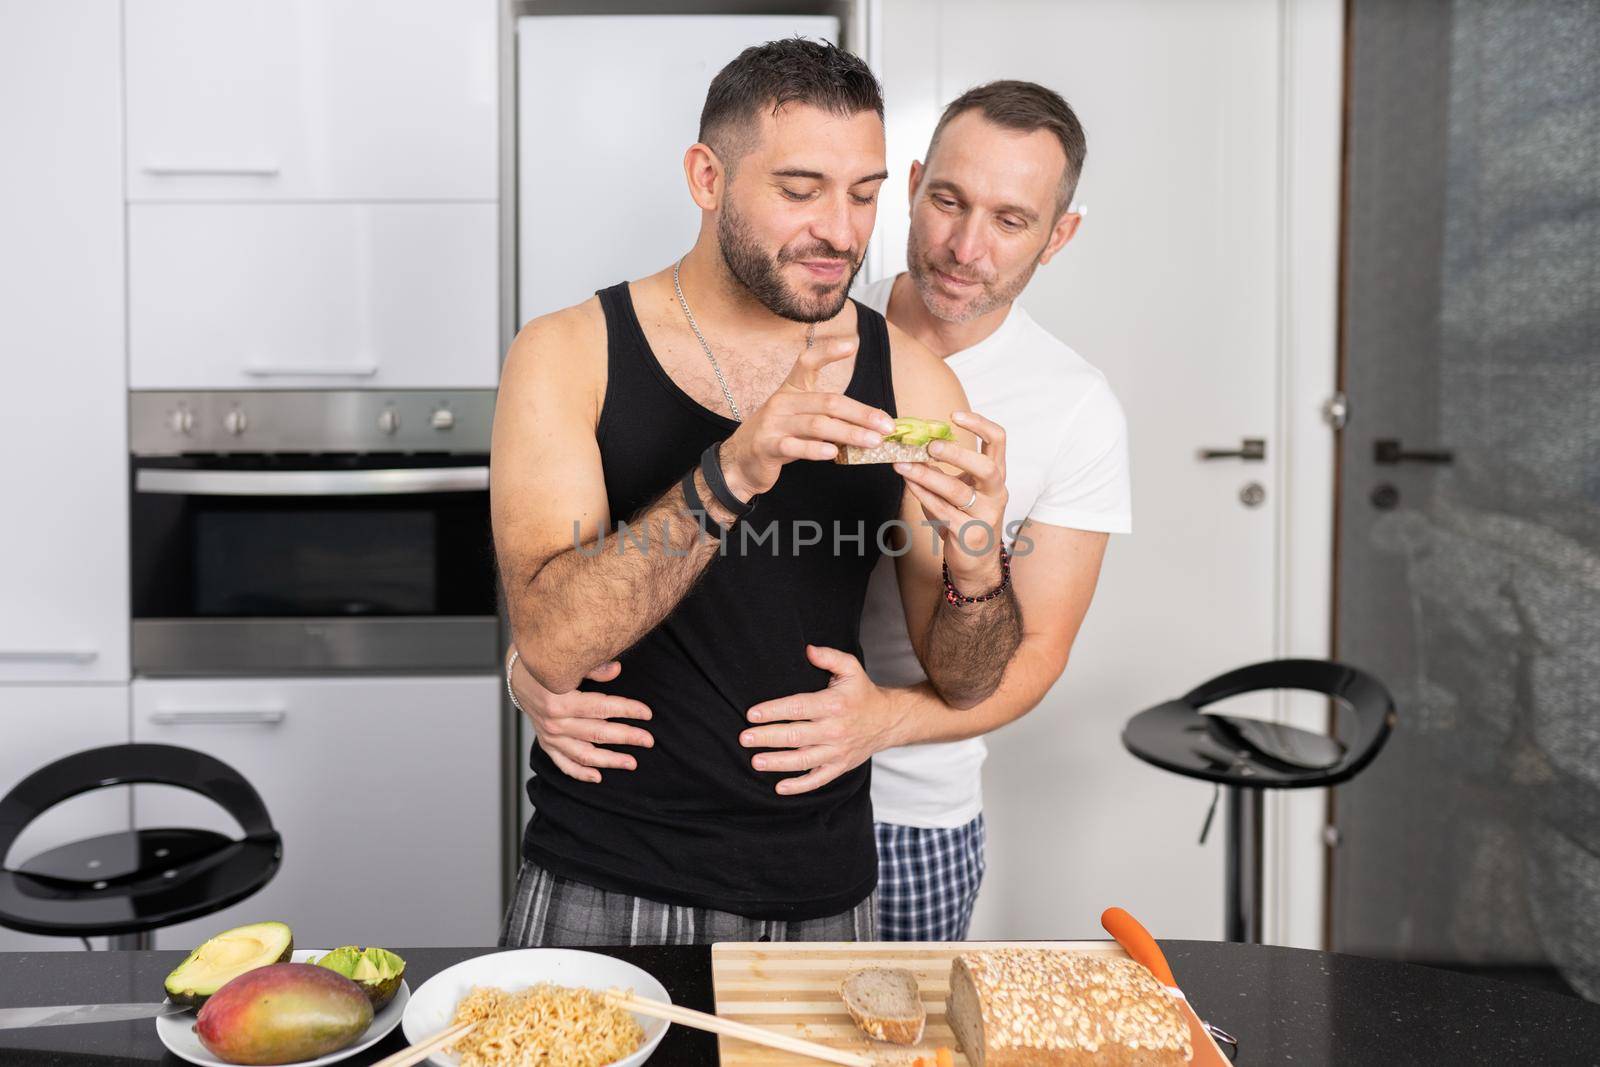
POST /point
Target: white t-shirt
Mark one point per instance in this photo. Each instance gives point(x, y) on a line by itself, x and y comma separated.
point(1066, 465)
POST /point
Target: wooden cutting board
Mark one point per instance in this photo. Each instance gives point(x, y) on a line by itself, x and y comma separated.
point(793, 988)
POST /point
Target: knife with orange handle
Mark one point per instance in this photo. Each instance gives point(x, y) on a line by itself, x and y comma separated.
point(1139, 944)
point(1131, 935)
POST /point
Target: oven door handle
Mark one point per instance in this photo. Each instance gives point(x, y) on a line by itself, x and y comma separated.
point(313, 483)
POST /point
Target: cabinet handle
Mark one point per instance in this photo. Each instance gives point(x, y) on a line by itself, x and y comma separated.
point(215, 170)
point(221, 717)
point(49, 655)
point(273, 370)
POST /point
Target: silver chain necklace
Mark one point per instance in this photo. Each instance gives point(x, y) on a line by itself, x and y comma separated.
point(811, 337)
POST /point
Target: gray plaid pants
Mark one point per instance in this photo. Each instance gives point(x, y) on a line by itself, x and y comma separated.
point(551, 912)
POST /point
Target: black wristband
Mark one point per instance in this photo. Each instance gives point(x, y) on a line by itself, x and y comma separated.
point(711, 467)
point(691, 499)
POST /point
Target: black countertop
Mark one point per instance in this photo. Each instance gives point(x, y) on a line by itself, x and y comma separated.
point(1284, 1005)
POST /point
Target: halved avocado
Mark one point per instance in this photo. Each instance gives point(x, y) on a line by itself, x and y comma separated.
point(376, 970)
point(225, 957)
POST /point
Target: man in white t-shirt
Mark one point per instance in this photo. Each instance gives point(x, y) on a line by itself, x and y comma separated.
point(989, 206)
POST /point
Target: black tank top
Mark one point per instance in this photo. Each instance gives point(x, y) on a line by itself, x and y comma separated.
point(694, 824)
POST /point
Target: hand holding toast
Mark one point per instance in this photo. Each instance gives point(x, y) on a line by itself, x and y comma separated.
point(970, 505)
point(798, 422)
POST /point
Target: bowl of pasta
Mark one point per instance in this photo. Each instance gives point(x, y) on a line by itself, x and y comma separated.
point(537, 1006)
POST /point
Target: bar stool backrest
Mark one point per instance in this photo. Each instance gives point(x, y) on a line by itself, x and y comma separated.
point(112, 765)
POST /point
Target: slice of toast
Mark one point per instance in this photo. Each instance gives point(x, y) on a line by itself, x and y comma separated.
point(888, 452)
point(885, 1004)
point(907, 444)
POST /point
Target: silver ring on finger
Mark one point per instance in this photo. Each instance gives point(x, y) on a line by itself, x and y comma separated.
point(971, 502)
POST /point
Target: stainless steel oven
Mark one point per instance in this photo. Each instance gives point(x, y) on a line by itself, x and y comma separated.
point(312, 532)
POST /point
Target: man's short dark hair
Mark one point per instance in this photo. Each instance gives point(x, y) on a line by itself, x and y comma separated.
point(1025, 107)
point(769, 76)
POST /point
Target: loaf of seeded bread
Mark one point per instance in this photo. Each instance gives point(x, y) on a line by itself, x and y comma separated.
point(1052, 1008)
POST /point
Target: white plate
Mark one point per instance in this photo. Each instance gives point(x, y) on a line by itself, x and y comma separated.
point(434, 1005)
point(177, 1031)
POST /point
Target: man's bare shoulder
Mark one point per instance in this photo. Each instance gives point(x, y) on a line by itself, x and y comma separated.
point(563, 351)
point(924, 384)
point(571, 332)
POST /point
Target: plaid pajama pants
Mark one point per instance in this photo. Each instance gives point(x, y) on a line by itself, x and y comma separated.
point(928, 880)
point(548, 911)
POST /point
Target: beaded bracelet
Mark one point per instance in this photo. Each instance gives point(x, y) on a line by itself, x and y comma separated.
point(954, 597)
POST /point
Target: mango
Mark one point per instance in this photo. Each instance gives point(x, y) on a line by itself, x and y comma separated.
point(283, 1013)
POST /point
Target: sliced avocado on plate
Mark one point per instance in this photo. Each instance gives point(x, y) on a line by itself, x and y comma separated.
point(376, 970)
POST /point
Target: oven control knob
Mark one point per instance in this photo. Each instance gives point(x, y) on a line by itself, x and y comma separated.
point(235, 422)
point(388, 420)
point(181, 420)
point(443, 419)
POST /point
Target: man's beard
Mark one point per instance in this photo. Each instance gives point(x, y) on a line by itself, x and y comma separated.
point(997, 293)
point(760, 273)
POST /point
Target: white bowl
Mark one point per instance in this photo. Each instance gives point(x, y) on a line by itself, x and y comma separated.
point(434, 1003)
point(177, 1031)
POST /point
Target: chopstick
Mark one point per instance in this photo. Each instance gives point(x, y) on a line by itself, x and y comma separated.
point(716, 1024)
point(423, 1049)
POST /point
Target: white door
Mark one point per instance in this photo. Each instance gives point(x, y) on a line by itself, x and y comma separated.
point(1178, 287)
point(386, 792)
point(39, 725)
point(322, 100)
point(64, 436)
point(608, 105)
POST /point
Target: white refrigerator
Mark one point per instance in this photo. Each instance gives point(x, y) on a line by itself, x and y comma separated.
point(606, 106)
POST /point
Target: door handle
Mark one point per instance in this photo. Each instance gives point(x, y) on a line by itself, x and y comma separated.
point(1389, 451)
point(1253, 449)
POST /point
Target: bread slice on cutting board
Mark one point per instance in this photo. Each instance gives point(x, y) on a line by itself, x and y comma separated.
point(885, 1004)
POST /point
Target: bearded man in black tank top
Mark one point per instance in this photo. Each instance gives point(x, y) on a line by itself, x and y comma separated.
point(674, 403)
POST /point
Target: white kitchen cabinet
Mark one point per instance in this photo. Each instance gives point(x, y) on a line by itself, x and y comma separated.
point(267, 296)
point(312, 99)
point(64, 538)
point(387, 792)
point(39, 725)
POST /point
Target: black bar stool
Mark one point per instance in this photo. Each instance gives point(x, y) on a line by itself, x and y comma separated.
point(1250, 756)
point(132, 882)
